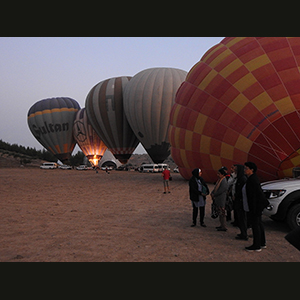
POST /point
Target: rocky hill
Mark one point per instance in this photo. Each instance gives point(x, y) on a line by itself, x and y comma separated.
point(9, 159)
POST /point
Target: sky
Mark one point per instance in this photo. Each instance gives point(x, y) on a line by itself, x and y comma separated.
point(36, 68)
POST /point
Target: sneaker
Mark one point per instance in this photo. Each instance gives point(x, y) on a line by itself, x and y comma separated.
point(252, 248)
point(263, 246)
point(203, 225)
point(193, 225)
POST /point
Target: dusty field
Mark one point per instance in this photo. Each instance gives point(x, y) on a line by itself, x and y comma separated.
point(57, 215)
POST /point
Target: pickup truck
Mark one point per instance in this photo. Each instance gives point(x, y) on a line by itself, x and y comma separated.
point(284, 198)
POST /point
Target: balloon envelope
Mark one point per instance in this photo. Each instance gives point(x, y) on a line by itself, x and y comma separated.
point(104, 107)
point(51, 122)
point(87, 138)
point(148, 99)
point(240, 102)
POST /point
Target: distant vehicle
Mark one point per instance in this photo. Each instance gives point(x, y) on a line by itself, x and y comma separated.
point(149, 168)
point(49, 166)
point(122, 168)
point(65, 167)
point(176, 170)
point(82, 168)
point(161, 167)
point(106, 168)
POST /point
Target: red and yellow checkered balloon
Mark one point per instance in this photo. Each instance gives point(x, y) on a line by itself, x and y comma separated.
point(239, 103)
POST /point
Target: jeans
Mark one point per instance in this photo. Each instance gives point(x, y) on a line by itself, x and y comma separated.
point(195, 214)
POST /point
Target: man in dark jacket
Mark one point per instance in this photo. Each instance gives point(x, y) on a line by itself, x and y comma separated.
point(256, 201)
point(198, 191)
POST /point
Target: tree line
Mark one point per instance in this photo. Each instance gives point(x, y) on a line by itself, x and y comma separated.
point(44, 154)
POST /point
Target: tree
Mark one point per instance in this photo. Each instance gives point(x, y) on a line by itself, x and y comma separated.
point(77, 159)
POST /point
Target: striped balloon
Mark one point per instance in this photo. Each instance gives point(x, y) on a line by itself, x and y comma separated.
point(87, 138)
point(104, 107)
point(240, 102)
point(51, 123)
point(148, 99)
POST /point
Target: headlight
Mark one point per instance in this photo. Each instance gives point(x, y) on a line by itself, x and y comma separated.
point(269, 207)
point(271, 194)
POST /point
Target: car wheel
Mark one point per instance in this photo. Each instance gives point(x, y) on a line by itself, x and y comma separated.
point(293, 216)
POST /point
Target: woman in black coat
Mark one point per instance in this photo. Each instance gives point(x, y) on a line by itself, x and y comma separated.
point(256, 202)
point(238, 202)
point(198, 191)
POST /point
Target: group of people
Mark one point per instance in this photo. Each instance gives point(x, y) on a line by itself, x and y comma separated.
point(239, 191)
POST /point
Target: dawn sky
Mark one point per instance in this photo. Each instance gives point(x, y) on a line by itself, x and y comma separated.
point(35, 68)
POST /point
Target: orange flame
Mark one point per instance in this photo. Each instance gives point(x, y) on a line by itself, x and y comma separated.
point(95, 160)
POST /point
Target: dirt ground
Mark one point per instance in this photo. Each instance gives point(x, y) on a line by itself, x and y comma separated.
point(69, 215)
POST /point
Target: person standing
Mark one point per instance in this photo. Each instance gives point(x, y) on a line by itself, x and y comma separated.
point(218, 195)
point(254, 201)
point(241, 215)
point(166, 177)
point(198, 190)
point(229, 199)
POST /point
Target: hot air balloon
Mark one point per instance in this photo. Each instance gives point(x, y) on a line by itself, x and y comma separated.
point(240, 102)
point(148, 99)
point(104, 107)
point(87, 139)
point(51, 122)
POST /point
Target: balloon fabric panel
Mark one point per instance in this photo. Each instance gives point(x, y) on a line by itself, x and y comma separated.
point(250, 87)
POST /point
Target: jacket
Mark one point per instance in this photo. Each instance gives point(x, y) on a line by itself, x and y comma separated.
point(240, 182)
point(193, 188)
point(255, 196)
point(219, 195)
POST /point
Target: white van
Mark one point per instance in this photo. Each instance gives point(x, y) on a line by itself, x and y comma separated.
point(150, 168)
point(49, 165)
point(161, 167)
